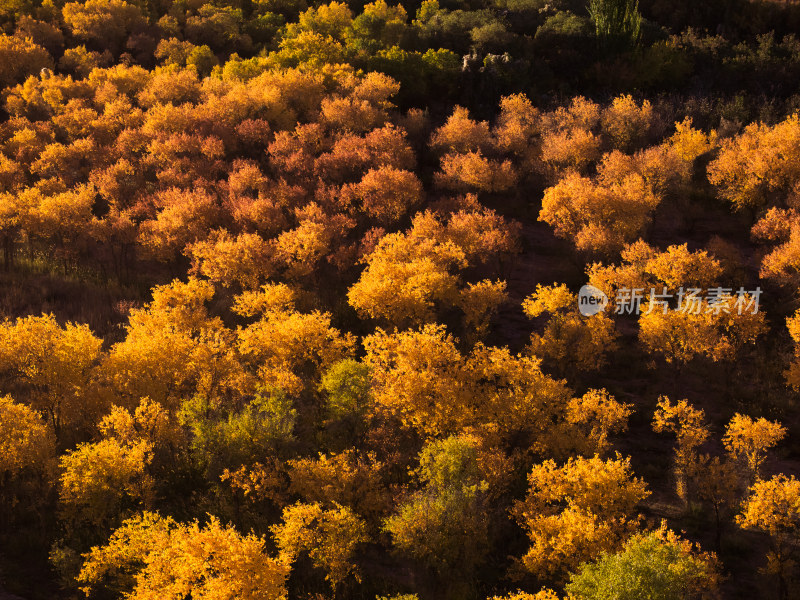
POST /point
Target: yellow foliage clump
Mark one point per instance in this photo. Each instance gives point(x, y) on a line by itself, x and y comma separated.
point(461, 135)
point(598, 415)
point(411, 275)
point(272, 297)
point(329, 537)
point(575, 512)
point(569, 138)
point(474, 172)
point(26, 443)
point(420, 377)
point(149, 422)
point(627, 124)
point(690, 143)
point(773, 506)
point(480, 301)
point(713, 331)
point(599, 218)
point(97, 478)
point(289, 349)
point(20, 58)
point(152, 557)
point(570, 149)
point(344, 478)
point(570, 341)
point(246, 260)
point(543, 594)
point(782, 263)
point(184, 218)
point(647, 269)
point(747, 440)
point(688, 424)
point(516, 125)
point(173, 349)
point(759, 164)
point(54, 366)
point(792, 374)
point(385, 194)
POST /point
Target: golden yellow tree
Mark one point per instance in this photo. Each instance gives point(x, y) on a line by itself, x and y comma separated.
point(792, 374)
point(679, 267)
point(516, 127)
point(405, 280)
point(246, 260)
point(25, 440)
point(288, 349)
point(461, 134)
point(718, 331)
point(774, 507)
point(418, 377)
point(597, 416)
point(302, 249)
point(52, 367)
point(747, 440)
point(151, 557)
point(353, 155)
point(782, 264)
point(385, 194)
point(625, 124)
point(411, 276)
point(330, 537)
point(543, 594)
point(573, 513)
point(421, 378)
point(510, 397)
point(690, 143)
point(688, 425)
point(365, 107)
point(758, 165)
point(570, 139)
point(345, 478)
point(21, 57)
point(185, 217)
point(571, 343)
point(27, 458)
point(173, 349)
point(599, 218)
point(100, 481)
point(480, 302)
point(150, 423)
point(474, 172)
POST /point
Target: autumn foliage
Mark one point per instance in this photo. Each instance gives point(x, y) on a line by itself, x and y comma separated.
point(290, 299)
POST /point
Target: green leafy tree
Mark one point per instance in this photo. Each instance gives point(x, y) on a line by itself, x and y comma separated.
point(229, 438)
point(443, 525)
point(652, 566)
point(616, 22)
point(347, 386)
